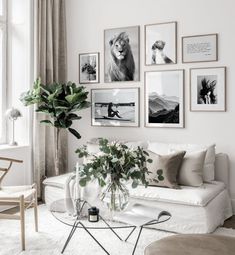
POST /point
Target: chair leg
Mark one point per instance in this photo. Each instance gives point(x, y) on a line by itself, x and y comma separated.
point(22, 222)
point(35, 205)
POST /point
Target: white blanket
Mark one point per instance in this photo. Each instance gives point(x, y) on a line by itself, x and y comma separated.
point(89, 193)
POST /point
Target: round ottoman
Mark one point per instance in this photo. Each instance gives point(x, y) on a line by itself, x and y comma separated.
point(194, 244)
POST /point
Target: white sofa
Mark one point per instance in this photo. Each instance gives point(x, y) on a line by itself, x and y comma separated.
point(194, 209)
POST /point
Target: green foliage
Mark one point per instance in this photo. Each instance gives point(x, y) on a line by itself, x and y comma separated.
point(59, 101)
point(116, 161)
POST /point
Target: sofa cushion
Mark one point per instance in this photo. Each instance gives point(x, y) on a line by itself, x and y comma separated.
point(190, 172)
point(197, 196)
point(209, 164)
point(57, 181)
point(164, 169)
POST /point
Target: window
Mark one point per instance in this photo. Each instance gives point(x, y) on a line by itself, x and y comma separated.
point(2, 70)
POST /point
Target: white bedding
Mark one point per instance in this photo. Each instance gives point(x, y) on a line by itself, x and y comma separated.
point(198, 196)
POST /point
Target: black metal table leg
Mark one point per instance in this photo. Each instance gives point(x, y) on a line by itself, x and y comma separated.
point(110, 228)
point(130, 233)
point(94, 238)
point(70, 236)
point(141, 228)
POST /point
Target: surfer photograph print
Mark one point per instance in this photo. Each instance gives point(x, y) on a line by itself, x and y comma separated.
point(160, 44)
point(115, 107)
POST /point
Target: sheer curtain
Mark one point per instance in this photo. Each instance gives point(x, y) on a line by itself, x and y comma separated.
point(51, 66)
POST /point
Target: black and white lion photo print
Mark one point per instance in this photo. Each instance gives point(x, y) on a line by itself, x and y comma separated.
point(88, 68)
point(115, 107)
point(164, 98)
point(121, 59)
point(160, 44)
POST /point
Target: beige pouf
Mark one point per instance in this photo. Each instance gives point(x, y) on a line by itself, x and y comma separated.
point(205, 244)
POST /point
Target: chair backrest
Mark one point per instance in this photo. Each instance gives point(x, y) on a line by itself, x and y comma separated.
point(4, 170)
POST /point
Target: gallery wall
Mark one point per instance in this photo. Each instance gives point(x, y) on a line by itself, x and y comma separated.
point(86, 21)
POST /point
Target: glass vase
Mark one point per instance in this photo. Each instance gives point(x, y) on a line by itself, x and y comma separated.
point(115, 196)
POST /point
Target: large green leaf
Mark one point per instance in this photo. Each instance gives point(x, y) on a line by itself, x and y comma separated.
point(48, 122)
point(75, 133)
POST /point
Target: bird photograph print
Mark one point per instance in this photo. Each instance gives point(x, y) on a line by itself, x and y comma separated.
point(160, 44)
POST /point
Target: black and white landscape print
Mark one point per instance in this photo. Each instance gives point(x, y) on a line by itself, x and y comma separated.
point(88, 68)
point(164, 98)
point(160, 44)
point(121, 58)
point(207, 86)
point(207, 89)
point(115, 107)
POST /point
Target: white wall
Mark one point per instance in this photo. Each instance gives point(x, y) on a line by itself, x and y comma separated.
point(86, 21)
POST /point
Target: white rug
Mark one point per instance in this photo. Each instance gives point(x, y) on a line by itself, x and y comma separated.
point(52, 235)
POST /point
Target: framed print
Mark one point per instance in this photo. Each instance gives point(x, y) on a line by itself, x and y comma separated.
point(164, 98)
point(115, 107)
point(200, 48)
point(121, 54)
point(208, 89)
point(161, 44)
point(89, 68)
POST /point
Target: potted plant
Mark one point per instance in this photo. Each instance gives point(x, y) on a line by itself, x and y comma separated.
point(112, 167)
point(60, 102)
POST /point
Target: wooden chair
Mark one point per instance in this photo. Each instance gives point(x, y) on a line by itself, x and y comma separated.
point(22, 196)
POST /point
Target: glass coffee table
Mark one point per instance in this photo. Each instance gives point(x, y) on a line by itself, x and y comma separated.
point(80, 221)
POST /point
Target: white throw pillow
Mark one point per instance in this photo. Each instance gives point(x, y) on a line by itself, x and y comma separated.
point(209, 164)
point(191, 170)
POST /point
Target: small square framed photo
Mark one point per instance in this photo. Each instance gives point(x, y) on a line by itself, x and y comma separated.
point(208, 89)
point(161, 43)
point(89, 68)
point(164, 98)
point(200, 48)
point(117, 107)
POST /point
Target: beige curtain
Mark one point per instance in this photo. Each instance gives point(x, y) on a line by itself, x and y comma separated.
point(51, 66)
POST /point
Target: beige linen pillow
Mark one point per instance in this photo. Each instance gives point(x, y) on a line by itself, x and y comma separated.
point(191, 170)
point(164, 169)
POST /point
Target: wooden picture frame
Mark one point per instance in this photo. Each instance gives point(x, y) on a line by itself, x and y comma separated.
point(208, 89)
point(115, 107)
point(122, 47)
point(164, 98)
point(200, 48)
point(89, 68)
point(161, 43)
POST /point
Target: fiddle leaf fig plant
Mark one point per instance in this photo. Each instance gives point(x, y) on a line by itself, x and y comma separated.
point(59, 101)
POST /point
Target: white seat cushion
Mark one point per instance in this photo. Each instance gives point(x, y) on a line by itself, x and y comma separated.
point(197, 196)
point(17, 191)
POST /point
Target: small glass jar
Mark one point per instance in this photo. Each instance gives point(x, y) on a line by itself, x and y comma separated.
point(93, 214)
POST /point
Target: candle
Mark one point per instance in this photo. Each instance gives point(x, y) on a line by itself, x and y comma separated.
point(93, 214)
